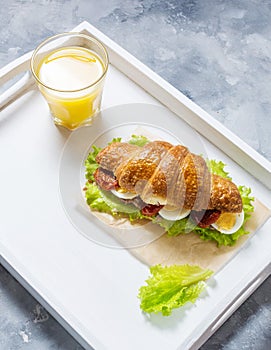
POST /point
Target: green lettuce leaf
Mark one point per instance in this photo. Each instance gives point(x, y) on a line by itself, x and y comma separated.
point(217, 167)
point(106, 202)
point(90, 164)
point(247, 201)
point(174, 228)
point(95, 199)
point(138, 140)
point(171, 287)
point(115, 139)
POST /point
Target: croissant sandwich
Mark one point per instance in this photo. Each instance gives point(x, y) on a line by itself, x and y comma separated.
point(167, 182)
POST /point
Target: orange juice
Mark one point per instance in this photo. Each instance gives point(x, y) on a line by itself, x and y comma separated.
point(72, 84)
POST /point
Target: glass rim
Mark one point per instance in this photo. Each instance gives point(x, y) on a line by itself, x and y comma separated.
point(88, 37)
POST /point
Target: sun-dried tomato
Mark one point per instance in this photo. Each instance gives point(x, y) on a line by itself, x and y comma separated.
point(105, 179)
point(151, 209)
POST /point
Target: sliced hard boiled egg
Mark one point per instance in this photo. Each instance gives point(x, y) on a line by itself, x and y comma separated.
point(173, 213)
point(229, 223)
point(124, 195)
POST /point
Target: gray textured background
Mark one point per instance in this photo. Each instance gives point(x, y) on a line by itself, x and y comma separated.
point(218, 53)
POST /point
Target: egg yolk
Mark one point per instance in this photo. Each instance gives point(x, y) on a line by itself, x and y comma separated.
point(121, 190)
point(226, 221)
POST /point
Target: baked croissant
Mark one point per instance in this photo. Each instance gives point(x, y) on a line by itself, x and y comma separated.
point(163, 174)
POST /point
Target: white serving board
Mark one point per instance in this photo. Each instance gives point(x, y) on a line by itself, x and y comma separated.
point(89, 288)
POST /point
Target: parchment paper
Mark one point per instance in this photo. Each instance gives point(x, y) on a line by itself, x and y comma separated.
point(190, 249)
point(183, 249)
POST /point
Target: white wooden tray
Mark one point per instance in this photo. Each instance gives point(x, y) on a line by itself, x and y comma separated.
point(90, 288)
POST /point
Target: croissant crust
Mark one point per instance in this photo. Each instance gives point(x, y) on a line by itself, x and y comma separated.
point(161, 173)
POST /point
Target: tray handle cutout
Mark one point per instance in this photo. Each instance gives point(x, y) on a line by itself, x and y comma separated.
point(15, 80)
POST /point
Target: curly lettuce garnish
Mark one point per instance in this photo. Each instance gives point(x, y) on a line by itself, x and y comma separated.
point(171, 287)
point(138, 140)
point(90, 164)
point(106, 202)
point(217, 168)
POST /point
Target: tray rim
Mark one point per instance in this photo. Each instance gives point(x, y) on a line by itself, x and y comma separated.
point(176, 98)
point(219, 315)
